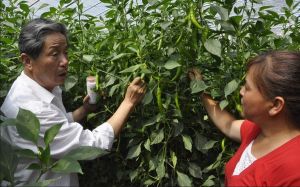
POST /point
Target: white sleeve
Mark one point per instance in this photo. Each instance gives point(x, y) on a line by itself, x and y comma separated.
point(70, 117)
point(71, 134)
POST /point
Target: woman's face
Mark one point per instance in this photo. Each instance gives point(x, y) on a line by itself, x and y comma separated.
point(51, 66)
point(255, 105)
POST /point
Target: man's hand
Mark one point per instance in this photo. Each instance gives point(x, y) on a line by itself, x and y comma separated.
point(135, 91)
point(89, 108)
point(134, 94)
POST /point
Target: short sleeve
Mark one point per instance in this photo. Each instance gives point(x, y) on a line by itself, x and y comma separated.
point(248, 131)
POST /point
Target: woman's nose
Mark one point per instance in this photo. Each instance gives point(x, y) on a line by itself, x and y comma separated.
point(242, 90)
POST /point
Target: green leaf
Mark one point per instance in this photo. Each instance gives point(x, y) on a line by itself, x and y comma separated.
point(131, 69)
point(147, 98)
point(119, 56)
point(147, 145)
point(43, 183)
point(28, 125)
point(173, 159)
point(34, 166)
point(187, 142)
point(134, 151)
point(200, 141)
point(67, 166)
point(88, 58)
point(198, 86)
point(8, 161)
point(213, 46)
point(160, 169)
point(223, 104)
point(43, 5)
point(171, 64)
point(27, 153)
point(85, 153)
point(195, 170)
point(24, 7)
point(209, 181)
point(51, 133)
point(183, 179)
point(45, 155)
point(210, 144)
point(223, 12)
point(133, 174)
point(106, 1)
point(227, 26)
point(70, 82)
point(148, 182)
point(157, 137)
point(289, 3)
point(231, 87)
point(164, 25)
point(9, 122)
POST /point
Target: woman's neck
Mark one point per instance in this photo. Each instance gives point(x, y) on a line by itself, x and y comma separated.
point(273, 134)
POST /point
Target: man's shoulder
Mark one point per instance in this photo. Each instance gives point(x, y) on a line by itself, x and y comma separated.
point(20, 95)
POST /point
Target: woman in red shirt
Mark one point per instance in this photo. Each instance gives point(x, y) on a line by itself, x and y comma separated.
point(269, 154)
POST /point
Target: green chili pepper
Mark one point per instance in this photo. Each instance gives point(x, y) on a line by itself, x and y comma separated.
point(159, 43)
point(179, 38)
point(223, 144)
point(158, 98)
point(204, 34)
point(177, 101)
point(178, 73)
point(97, 82)
point(193, 19)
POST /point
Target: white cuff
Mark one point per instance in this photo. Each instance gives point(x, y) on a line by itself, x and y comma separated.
point(106, 136)
point(70, 117)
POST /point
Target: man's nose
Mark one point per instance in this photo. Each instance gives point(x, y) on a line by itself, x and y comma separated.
point(64, 60)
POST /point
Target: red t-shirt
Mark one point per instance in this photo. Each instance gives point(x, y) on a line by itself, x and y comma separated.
point(281, 167)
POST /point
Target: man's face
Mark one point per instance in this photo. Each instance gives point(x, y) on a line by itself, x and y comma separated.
point(50, 68)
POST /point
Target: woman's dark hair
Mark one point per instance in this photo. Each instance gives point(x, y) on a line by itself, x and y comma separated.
point(32, 36)
point(277, 73)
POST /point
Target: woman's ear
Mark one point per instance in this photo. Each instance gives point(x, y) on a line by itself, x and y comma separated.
point(278, 105)
point(26, 61)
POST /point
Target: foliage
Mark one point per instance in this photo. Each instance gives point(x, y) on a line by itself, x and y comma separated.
point(28, 127)
point(168, 140)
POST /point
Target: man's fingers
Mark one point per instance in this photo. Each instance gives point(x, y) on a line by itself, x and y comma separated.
point(86, 98)
point(137, 81)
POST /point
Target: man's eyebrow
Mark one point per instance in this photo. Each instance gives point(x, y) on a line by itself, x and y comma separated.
point(55, 46)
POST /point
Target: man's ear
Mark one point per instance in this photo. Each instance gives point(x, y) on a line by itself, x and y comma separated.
point(26, 61)
point(278, 105)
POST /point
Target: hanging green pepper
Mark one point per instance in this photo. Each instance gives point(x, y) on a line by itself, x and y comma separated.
point(177, 101)
point(158, 98)
point(179, 38)
point(204, 34)
point(193, 19)
point(178, 73)
point(97, 82)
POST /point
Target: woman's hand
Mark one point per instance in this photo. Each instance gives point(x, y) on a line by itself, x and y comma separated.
point(195, 74)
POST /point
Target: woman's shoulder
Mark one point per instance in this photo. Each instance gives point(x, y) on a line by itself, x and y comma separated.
point(249, 130)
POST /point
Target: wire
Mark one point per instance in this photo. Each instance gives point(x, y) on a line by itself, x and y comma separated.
point(34, 3)
point(91, 7)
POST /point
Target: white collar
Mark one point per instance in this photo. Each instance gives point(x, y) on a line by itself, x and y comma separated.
point(41, 92)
